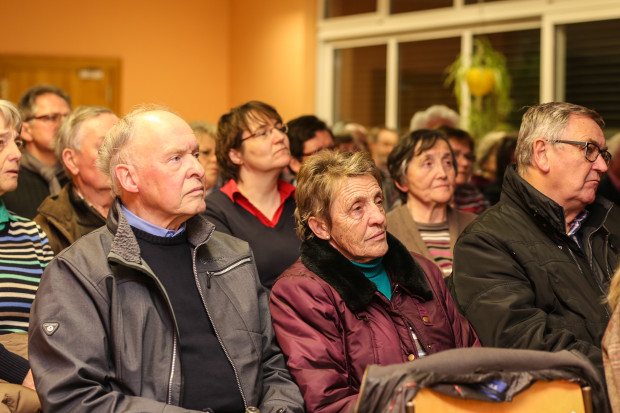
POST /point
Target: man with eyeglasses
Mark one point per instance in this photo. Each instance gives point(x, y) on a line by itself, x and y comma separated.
point(533, 271)
point(43, 108)
point(307, 135)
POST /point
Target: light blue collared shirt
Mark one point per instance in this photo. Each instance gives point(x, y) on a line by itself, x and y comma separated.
point(142, 225)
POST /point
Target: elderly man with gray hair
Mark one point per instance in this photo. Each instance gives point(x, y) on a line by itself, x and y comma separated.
point(156, 311)
point(82, 205)
point(533, 271)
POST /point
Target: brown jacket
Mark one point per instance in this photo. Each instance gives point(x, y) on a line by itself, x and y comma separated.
point(65, 218)
point(402, 226)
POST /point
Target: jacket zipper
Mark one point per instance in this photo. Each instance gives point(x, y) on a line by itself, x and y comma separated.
point(204, 303)
point(174, 333)
point(211, 274)
point(174, 362)
point(600, 287)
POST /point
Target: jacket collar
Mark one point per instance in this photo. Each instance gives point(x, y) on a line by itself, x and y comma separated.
point(544, 208)
point(62, 208)
point(353, 287)
point(125, 245)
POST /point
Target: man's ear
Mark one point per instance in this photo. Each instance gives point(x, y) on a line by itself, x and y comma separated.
point(319, 227)
point(68, 159)
point(294, 164)
point(235, 156)
point(540, 155)
point(127, 177)
point(26, 132)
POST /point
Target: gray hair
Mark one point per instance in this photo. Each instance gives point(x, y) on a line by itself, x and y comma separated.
point(548, 121)
point(11, 115)
point(67, 135)
point(201, 127)
point(113, 151)
point(28, 101)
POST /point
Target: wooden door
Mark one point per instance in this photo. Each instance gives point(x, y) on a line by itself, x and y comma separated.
point(89, 81)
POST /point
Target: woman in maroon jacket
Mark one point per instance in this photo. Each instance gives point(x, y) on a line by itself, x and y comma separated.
point(356, 296)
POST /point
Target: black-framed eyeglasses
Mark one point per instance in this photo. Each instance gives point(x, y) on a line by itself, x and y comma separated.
point(51, 118)
point(592, 150)
point(266, 131)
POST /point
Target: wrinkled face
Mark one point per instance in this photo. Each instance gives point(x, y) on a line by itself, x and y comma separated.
point(10, 156)
point(264, 147)
point(358, 228)
point(207, 158)
point(381, 149)
point(168, 176)
point(39, 133)
point(89, 137)
point(430, 177)
point(573, 177)
point(464, 160)
point(322, 139)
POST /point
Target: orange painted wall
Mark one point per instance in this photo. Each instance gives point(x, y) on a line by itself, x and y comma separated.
point(191, 55)
point(273, 54)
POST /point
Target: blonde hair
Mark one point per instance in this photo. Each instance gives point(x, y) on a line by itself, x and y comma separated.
point(318, 180)
point(614, 290)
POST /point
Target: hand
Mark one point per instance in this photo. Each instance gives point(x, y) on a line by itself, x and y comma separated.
point(29, 381)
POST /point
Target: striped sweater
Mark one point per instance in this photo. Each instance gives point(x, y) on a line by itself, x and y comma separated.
point(24, 254)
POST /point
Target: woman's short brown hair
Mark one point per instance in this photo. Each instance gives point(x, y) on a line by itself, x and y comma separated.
point(318, 180)
point(230, 127)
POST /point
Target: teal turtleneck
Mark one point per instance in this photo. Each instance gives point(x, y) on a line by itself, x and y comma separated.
point(375, 272)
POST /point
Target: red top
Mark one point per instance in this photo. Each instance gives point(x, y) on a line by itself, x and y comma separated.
point(232, 191)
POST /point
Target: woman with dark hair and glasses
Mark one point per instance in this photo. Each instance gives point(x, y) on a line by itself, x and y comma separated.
point(423, 168)
point(252, 149)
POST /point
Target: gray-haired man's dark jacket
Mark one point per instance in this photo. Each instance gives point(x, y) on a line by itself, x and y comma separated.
point(103, 334)
point(522, 282)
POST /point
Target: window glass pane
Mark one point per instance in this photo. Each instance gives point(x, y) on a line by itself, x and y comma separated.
point(359, 85)
point(421, 75)
point(593, 68)
point(522, 52)
point(404, 6)
point(339, 8)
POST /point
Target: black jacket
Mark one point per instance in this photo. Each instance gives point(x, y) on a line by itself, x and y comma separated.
point(524, 283)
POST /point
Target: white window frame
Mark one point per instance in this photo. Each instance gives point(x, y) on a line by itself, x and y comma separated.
point(464, 21)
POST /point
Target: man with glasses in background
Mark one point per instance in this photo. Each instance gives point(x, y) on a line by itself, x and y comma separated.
point(533, 271)
point(43, 108)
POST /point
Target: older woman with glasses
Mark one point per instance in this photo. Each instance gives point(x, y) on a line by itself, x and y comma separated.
point(24, 254)
point(255, 205)
point(356, 296)
point(423, 168)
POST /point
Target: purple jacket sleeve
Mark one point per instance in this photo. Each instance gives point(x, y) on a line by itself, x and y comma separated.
point(309, 332)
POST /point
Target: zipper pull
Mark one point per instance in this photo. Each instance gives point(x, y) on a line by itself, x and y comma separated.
point(209, 275)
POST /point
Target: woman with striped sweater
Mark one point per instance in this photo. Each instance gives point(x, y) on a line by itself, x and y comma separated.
point(424, 171)
point(24, 252)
